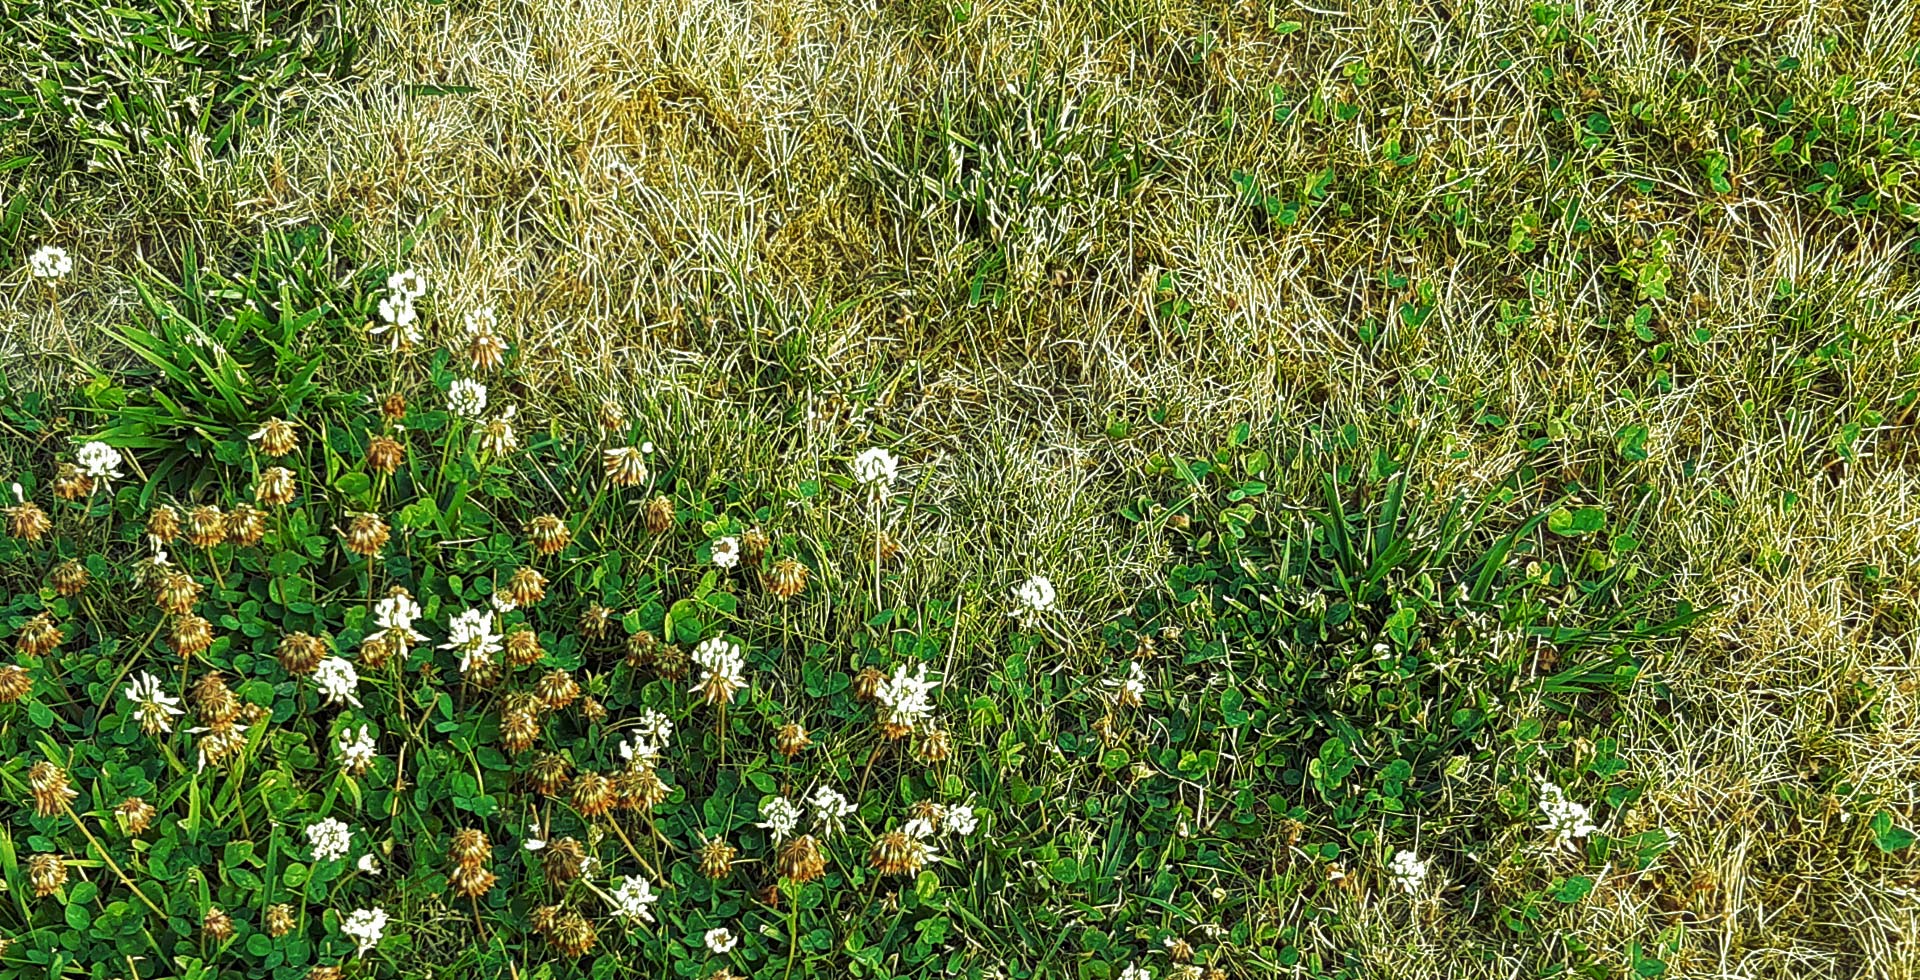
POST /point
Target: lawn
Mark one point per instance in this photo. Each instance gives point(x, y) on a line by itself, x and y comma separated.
point(1095, 489)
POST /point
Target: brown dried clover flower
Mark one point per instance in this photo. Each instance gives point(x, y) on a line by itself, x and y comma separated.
point(15, 683)
point(47, 872)
point(522, 648)
point(592, 794)
point(51, 794)
point(572, 935)
point(557, 689)
point(526, 586)
point(934, 746)
point(206, 526)
point(801, 860)
point(519, 728)
point(385, 454)
point(550, 774)
point(626, 466)
point(163, 524)
point(659, 515)
point(562, 860)
point(276, 487)
point(716, 858)
point(191, 635)
point(365, 535)
point(69, 578)
point(279, 920)
point(212, 700)
point(40, 636)
point(27, 522)
point(70, 483)
point(393, 408)
point(640, 648)
point(300, 653)
point(791, 739)
point(897, 853)
point(595, 621)
point(217, 925)
point(246, 525)
point(548, 535)
point(276, 437)
point(867, 682)
point(753, 545)
point(788, 579)
point(176, 592)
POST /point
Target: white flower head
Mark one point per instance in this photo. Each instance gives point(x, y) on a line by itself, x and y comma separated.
point(471, 635)
point(1135, 971)
point(726, 552)
point(467, 398)
point(1408, 871)
point(501, 602)
point(99, 460)
point(720, 940)
point(651, 736)
point(1131, 688)
point(400, 322)
point(1566, 820)
point(483, 322)
point(875, 469)
point(632, 898)
point(1033, 597)
point(50, 262)
point(155, 708)
point(717, 657)
point(330, 838)
point(365, 926)
point(357, 749)
point(779, 816)
point(338, 680)
point(408, 283)
point(959, 819)
point(830, 810)
point(368, 864)
point(535, 839)
point(906, 697)
point(395, 615)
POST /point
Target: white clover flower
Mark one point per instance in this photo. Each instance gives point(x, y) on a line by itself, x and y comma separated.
point(1408, 871)
point(330, 838)
point(535, 839)
point(1566, 820)
point(395, 616)
point(1132, 688)
point(875, 469)
point(726, 552)
point(502, 603)
point(408, 283)
point(651, 736)
point(720, 940)
point(50, 262)
point(631, 899)
point(906, 697)
point(919, 831)
point(781, 816)
point(1135, 971)
point(467, 398)
point(959, 818)
point(337, 680)
point(99, 460)
point(1033, 597)
point(483, 322)
point(401, 323)
point(155, 708)
point(721, 664)
point(830, 810)
point(357, 749)
point(365, 926)
point(471, 635)
point(367, 864)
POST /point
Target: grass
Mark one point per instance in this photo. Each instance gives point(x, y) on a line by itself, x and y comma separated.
point(1650, 265)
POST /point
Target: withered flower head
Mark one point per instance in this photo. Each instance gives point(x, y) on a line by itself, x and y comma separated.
point(176, 593)
point(220, 741)
point(550, 774)
point(486, 351)
point(47, 873)
point(526, 586)
point(523, 648)
point(626, 466)
point(659, 515)
point(788, 579)
point(40, 636)
point(15, 683)
point(935, 745)
point(217, 925)
point(275, 488)
point(753, 545)
point(377, 649)
point(279, 920)
point(191, 635)
point(1179, 950)
point(472, 882)
point(640, 648)
point(671, 662)
point(27, 522)
point(518, 730)
point(639, 788)
point(572, 935)
point(69, 578)
point(558, 689)
point(212, 700)
point(595, 621)
point(800, 861)
point(393, 408)
point(324, 973)
point(897, 853)
point(276, 437)
point(470, 852)
point(548, 534)
point(716, 858)
point(886, 547)
point(163, 524)
point(384, 455)
point(245, 525)
point(562, 859)
point(300, 653)
point(613, 417)
point(365, 535)
point(592, 710)
point(791, 739)
point(866, 682)
point(470, 847)
point(592, 794)
point(206, 526)
point(71, 483)
point(51, 793)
